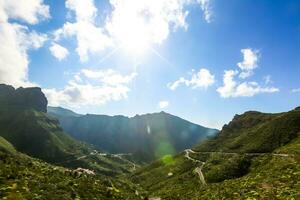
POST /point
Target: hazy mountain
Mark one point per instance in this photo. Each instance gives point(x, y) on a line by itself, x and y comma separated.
point(61, 112)
point(255, 156)
point(148, 136)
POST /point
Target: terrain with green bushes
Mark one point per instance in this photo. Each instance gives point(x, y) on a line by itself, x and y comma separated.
point(255, 156)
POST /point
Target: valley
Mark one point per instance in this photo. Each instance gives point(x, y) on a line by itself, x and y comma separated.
point(255, 156)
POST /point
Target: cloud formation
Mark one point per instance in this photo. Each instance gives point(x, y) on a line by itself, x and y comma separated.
point(29, 11)
point(17, 39)
point(295, 90)
point(249, 63)
point(59, 51)
point(234, 88)
point(201, 79)
point(131, 23)
point(90, 38)
point(163, 104)
point(92, 87)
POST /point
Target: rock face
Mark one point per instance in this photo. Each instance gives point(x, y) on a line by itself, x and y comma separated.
point(23, 97)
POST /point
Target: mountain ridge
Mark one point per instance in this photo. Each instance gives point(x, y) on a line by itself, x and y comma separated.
point(147, 136)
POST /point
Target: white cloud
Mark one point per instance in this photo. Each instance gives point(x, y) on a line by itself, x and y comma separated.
point(85, 10)
point(58, 51)
point(249, 63)
point(206, 8)
point(163, 104)
point(232, 88)
point(90, 38)
point(16, 40)
point(109, 77)
point(132, 24)
point(81, 91)
point(296, 90)
point(29, 11)
point(202, 79)
point(268, 79)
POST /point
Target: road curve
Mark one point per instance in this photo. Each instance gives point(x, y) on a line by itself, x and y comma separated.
point(198, 170)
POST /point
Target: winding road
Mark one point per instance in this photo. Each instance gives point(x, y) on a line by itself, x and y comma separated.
point(119, 156)
point(198, 170)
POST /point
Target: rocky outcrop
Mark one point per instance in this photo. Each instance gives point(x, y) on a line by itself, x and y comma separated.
point(23, 97)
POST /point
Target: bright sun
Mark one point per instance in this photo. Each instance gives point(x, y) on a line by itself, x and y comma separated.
point(136, 27)
point(132, 33)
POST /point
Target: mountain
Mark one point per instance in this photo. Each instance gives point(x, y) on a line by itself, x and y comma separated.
point(25, 124)
point(147, 137)
point(256, 132)
point(59, 111)
point(23, 98)
point(255, 156)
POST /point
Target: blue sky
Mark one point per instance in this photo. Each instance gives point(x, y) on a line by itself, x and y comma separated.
point(174, 59)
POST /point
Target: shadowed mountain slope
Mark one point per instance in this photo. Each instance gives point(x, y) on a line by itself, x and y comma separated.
point(147, 137)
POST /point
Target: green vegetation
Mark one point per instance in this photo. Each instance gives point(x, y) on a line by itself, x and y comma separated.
point(270, 169)
point(22, 177)
point(255, 132)
point(256, 156)
point(5, 146)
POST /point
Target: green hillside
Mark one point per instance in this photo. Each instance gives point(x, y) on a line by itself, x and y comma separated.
point(5, 146)
point(256, 132)
point(269, 170)
point(255, 156)
point(23, 177)
point(147, 137)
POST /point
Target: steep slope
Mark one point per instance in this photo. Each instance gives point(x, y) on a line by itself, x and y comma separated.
point(23, 177)
point(256, 156)
point(148, 137)
point(6, 147)
point(26, 125)
point(23, 98)
point(256, 132)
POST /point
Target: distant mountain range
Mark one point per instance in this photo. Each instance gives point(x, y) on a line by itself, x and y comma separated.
point(147, 137)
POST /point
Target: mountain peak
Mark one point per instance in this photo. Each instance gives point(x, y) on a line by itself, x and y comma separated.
point(23, 97)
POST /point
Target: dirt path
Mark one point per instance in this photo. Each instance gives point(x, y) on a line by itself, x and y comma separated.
point(119, 156)
point(125, 160)
point(198, 170)
point(232, 153)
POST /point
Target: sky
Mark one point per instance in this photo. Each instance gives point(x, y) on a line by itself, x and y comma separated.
point(202, 60)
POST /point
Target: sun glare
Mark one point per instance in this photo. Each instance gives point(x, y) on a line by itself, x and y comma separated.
point(132, 33)
point(135, 27)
